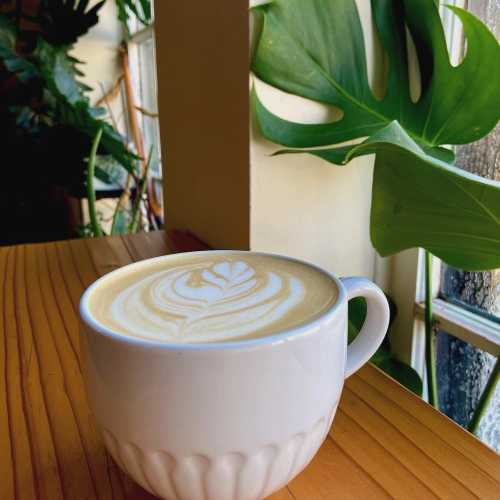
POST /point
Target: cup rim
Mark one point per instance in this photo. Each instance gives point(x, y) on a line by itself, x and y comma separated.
point(280, 336)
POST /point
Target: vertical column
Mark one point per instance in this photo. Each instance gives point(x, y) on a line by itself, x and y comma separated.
point(202, 54)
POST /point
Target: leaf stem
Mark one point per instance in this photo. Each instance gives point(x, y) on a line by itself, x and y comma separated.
point(96, 228)
point(485, 398)
point(430, 344)
point(136, 209)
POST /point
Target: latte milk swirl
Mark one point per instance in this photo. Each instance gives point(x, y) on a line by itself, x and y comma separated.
point(212, 297)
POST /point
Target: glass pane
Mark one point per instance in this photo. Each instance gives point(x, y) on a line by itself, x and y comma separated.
point(479, 292)
point(463, 369)
point(462, 373)
point(149, 102)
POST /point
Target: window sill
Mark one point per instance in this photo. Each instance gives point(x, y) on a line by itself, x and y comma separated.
point(465, 325)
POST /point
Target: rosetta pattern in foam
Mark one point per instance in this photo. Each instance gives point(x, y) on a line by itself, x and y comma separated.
point(232, 476)
point(204, 301)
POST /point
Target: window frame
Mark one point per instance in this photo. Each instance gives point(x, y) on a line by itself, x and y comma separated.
point(408, 276)
point(139, 35)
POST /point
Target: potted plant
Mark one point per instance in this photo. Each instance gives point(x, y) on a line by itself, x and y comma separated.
point(315, 49)
point(48, 121)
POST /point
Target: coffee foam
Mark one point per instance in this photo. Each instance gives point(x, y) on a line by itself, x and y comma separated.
point(212, 297)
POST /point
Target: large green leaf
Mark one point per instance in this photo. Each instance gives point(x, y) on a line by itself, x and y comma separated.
point(80, 117)
point(401, 372)
point(141, 9)
point(62, 22)
point(315, 49)
point(72, 107)
point(59, 72)
point(421, 201)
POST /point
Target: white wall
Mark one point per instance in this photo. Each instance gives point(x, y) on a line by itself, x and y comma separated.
point(305, 207)
point(99, 49)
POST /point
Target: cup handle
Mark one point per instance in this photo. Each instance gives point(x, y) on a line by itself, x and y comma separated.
point(375, 326)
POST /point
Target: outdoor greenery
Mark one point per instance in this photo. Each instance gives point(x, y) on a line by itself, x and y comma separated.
point(315, 49)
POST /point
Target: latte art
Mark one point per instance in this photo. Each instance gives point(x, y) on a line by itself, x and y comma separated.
point(214, 297)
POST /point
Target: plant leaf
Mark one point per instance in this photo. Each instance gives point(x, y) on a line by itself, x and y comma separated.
point(383, 358)
point(13, 62)
point(403, 373)
point(80, 117)
point(71, 106)
point(63, 22)
point(408, 206)
point(141, 9)
point(120, 221)
point(356, 317)
point(315, 49)
point(59, 72)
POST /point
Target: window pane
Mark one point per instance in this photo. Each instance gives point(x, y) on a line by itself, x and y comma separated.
point(149, 102)
point(462, 373)
point(463, 369)
point(478, 291)
point(134, 25)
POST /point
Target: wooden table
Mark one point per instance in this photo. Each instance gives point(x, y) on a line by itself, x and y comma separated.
point(385, 442)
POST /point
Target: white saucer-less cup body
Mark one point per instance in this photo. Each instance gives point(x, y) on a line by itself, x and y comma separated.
point(224, 421)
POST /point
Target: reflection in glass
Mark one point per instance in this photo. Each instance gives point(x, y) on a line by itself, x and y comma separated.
point(462, 369)
point(462, 372)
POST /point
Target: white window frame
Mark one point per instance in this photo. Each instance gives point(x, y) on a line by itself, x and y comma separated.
point(140, 34)
point(407, 281)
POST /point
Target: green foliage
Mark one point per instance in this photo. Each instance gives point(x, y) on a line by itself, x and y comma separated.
point(47, 117)
point(141, 9)
point(383, 358)
point(64, 21)
point(401, 372)
point(109, 171)
point(64, 103)
point(139, 196)
point(94, 221)
point(121, 221)
point(315, 49)
point(23, 68)
point(419, 200)
point(72, 107)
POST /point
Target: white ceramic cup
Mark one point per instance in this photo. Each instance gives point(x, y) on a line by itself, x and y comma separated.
point(224, 421)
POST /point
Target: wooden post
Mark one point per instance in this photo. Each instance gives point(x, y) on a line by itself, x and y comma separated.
point(202, 51)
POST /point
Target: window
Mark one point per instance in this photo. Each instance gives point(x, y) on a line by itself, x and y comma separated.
point(143, 68)
point(130, 99)
point(466, 305)
point(142, 61)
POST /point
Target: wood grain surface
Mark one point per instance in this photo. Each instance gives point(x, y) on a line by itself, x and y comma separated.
point(385, 442)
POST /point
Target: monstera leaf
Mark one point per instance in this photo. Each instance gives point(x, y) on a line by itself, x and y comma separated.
point(420, 200)
point(315, 49)
point(141, 9)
